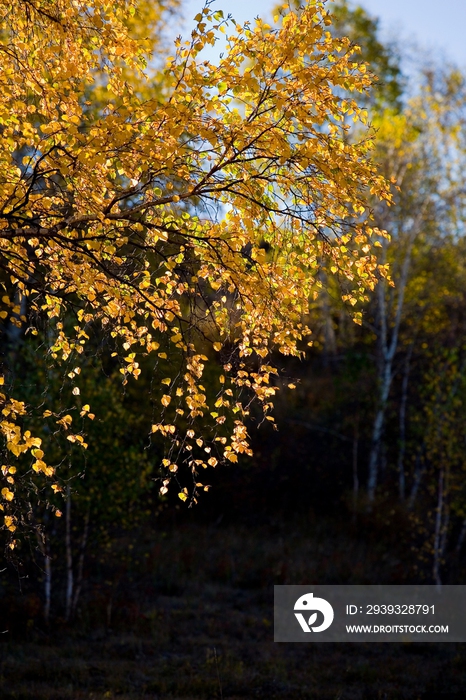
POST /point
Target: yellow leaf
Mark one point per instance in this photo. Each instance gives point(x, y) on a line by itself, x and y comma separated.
point(39, 465)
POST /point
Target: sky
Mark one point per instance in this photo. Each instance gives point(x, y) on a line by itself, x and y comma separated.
point(437, 27)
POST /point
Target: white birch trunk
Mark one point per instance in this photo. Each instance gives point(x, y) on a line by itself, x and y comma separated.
point(79, 577)
point(387, 351)
point(419, 470)
point(402, 448)
point(44, 548)
point(69, 557)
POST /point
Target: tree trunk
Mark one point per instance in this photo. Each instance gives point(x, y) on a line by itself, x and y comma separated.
point(79, 577)
point(377, 432)
point(403, 404)
point(355, 465)
point(69, 557)
point(387, 350)
point(44, 548)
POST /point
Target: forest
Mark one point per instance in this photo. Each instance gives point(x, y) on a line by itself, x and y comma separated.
point(232, 346)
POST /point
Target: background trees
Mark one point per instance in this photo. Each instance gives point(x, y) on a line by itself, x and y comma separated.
point(187, 225)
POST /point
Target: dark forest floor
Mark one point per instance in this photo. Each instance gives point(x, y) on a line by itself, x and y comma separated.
point(193, 618)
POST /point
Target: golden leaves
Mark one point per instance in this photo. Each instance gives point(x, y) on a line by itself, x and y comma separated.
point(77, 439)
point(9, 522)
point(65, 422)
point(40, 466)
point(173, 244)
point(85, 411)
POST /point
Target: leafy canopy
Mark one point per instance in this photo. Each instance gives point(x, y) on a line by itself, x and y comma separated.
point(187, 224)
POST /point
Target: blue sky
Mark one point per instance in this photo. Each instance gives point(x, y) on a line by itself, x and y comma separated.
point(437, 27)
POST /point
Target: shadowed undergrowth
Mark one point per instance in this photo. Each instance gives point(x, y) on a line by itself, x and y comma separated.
point(188, 613)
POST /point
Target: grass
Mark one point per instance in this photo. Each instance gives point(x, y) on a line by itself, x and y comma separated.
point(187, 614)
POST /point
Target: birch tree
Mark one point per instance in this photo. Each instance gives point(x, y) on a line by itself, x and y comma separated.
point(422, 150)
point(145, 217)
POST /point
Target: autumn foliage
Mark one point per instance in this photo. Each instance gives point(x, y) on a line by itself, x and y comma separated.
point(184, 213)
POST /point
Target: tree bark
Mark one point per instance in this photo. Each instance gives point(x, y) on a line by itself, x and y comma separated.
point(80, 571)
point(403, 404)
point(44, 548)
point(69, 557)
point(387, 349)
point(419, 469)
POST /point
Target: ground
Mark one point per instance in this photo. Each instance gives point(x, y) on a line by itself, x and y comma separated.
point(194, 619)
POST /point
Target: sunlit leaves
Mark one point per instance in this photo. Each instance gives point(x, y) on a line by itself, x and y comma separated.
point(188, 223)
